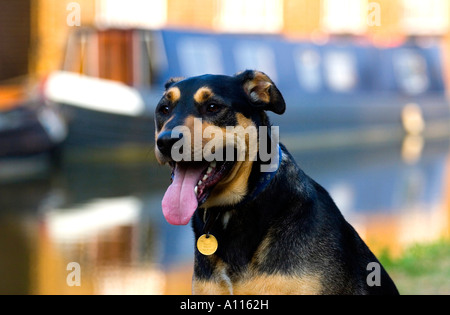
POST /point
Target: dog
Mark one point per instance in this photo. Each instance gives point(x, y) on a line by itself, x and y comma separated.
point(273, 232)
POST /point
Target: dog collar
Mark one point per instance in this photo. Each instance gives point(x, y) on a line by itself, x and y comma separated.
point(264, 180)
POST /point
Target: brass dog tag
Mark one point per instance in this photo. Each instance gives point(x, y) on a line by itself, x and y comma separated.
point(207, 244)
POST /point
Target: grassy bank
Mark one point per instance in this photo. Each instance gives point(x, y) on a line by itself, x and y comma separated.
point(422, 269)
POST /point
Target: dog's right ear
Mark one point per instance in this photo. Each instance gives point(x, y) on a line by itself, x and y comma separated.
point(172, 81)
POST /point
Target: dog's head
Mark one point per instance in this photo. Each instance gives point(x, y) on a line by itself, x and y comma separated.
point(207, 130)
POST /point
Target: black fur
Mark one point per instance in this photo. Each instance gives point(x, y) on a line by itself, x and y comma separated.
point(306, 231)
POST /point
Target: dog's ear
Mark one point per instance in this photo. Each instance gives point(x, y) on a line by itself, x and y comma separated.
point(172, 81)
point(261, 91)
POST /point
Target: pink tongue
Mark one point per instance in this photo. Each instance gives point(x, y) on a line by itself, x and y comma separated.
point(180, 202)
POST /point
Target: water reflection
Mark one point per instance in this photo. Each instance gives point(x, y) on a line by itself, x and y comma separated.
point(392, 200)
point(107, 217)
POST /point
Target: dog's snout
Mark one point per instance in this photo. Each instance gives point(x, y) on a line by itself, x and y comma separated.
point(166, 141)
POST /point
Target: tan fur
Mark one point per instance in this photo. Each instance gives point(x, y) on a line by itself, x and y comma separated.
point(219, 284)
point(263, 249)
point(279, 284)
point(203, 94)
point(258, 88)
point(213, 130)
point(189, 122)
point(260, 284)
point(233, 192)
point(209, 288)
point(234, 187)
point(173, 94)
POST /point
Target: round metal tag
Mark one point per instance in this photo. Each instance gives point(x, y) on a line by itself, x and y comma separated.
point(207, 244)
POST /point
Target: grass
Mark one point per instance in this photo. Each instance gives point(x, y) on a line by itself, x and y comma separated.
point(422, 269)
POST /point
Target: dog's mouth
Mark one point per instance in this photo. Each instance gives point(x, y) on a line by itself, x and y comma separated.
point(192, 184)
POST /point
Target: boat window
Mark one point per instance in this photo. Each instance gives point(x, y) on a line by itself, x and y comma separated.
point(340, 71)
point(142, 14)
point(307, 66)
point(253, 16)
point(411, 71)
point(258, 57)
point(425, 17)
point(198, 56)
point(344, 16)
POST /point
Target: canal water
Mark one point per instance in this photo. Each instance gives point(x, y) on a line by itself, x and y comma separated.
point(105, 216)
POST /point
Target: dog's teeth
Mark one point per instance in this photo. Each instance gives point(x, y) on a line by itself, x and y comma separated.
point(205, 177)
point(199, 183)
point(209, 170)
point(196, 190)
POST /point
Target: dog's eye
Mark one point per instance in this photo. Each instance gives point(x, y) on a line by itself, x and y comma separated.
point(164, 110)
point(213, 108)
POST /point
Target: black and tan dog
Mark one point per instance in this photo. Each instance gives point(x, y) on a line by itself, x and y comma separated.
point(273, 233)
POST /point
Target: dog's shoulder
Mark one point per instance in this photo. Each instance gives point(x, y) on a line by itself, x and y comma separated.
point(321, 244)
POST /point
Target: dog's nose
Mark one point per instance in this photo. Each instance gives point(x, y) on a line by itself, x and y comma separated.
point(166, 141)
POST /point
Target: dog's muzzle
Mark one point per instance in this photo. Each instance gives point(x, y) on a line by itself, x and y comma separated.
point(166, 141)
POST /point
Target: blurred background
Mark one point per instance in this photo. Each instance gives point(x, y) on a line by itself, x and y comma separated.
point(366, 83)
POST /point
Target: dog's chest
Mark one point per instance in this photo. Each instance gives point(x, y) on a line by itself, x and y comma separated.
point(262, 284)
point(251, 282)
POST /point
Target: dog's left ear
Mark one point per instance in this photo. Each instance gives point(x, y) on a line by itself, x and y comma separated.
point(172, 81)
point(261, 91)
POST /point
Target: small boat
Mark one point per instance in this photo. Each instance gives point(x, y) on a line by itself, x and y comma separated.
point(100, 113)
point(27, 126)
point(31, 134)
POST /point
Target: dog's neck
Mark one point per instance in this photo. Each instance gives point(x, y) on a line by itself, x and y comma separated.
point(249, 222)
point(263, 180)
point(257, 183)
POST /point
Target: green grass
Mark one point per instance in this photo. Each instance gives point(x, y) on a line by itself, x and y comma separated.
point(422, 269)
